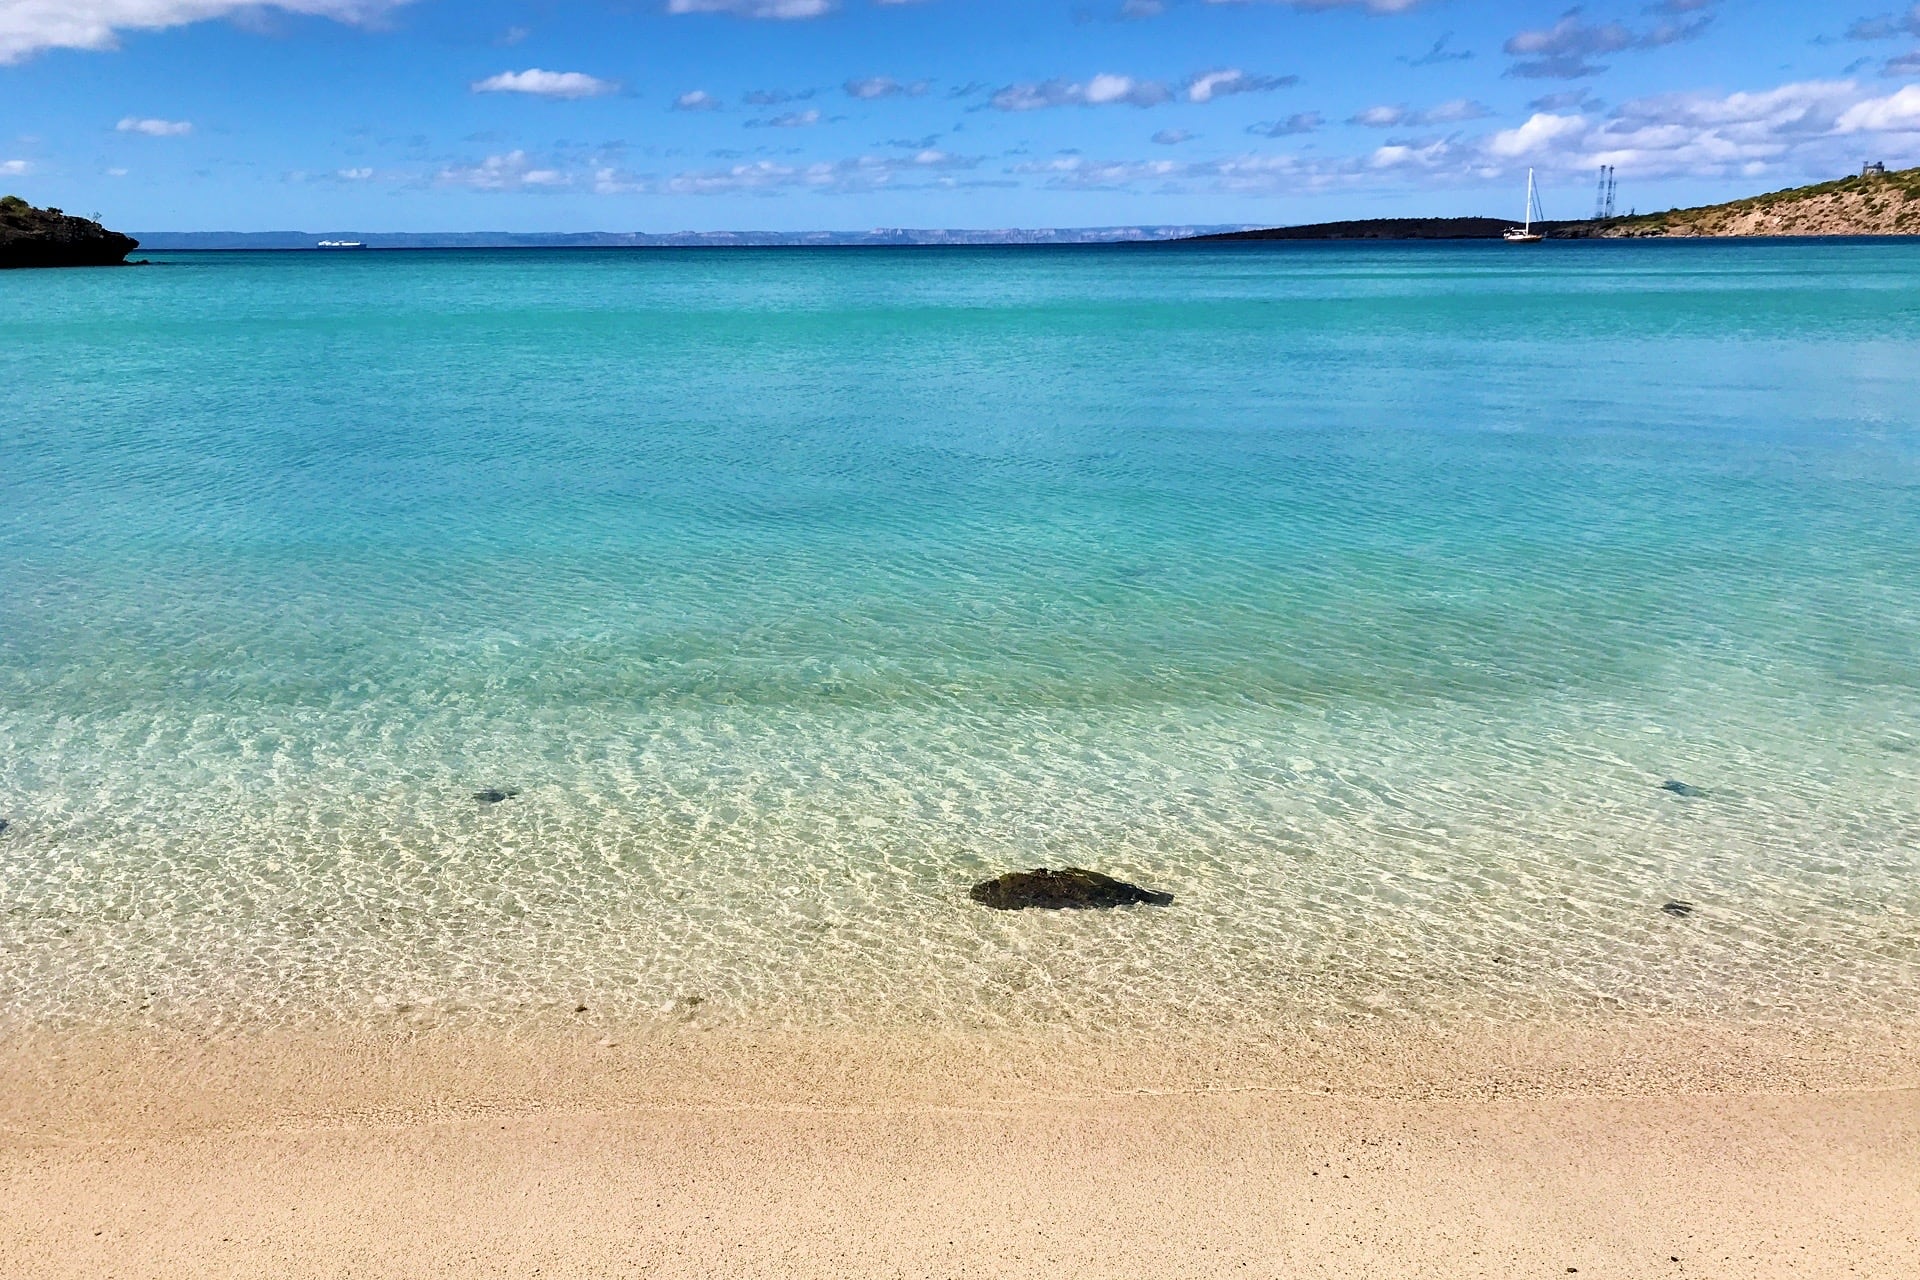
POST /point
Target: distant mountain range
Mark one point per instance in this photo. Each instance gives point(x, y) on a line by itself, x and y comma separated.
point(163, 240)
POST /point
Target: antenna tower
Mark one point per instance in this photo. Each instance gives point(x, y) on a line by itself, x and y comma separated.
point(1603, 199)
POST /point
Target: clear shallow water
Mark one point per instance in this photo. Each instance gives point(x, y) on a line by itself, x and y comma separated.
point(1361, 597)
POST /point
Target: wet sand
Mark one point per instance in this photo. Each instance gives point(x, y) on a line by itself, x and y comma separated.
point(1657, 1150)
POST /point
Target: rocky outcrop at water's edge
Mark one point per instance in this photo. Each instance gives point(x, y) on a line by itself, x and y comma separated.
point(31, 237)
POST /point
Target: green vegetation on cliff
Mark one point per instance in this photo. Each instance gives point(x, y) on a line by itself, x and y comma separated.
point(1872, 205)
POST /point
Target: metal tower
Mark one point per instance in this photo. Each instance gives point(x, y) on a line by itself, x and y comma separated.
point(1603, 199)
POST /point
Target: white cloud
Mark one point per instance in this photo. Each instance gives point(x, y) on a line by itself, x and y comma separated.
point(1454, 111)
point(697, 100)
point(1887, 26)
point(1741, 133)
point(1810, 127)
point(1566, 50)
point(1895, 113)
point(513, 171)
point(1803, 126)
point(1402, 155)
point(14, 168)
point(1209, 85)
point(782, 9)
point(353, 175)
point(155, 128)
point(1298, 123)
point(1457, 111)
point(1102, 90)
point(28, 26)
point(1371, 6)
point(773, 97)
point(1081, 174)
point(883, 87)
point(928, 165)
point(546, 84)
point(1538, 135)
point(1252, 175)
point(789, 120)
point(920, 167)
point(1379, 117)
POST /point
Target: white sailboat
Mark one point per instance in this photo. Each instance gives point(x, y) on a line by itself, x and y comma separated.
point(1526, 234)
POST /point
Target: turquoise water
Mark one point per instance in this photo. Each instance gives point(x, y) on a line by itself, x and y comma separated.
point(1363, 598)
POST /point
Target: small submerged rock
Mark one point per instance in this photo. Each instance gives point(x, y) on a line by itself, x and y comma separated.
point(1681, 788)
point(493, 795)
point(1678, 908)
point(1072, 889)
point(3, 826)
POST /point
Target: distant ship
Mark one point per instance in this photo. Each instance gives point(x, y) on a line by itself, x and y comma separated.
point(1526, 234)
point(340, 244)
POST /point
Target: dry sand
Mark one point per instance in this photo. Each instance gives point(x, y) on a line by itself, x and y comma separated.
point(1657, 1150)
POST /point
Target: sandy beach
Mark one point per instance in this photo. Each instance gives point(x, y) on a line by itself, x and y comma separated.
point(683, 1151)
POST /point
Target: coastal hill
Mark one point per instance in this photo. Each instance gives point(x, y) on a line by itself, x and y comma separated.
point(31, 237)
point(1867, 205)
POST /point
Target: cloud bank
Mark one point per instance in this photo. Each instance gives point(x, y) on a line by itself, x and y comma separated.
point(29, 26)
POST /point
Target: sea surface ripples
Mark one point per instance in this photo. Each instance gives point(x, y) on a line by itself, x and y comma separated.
point(1363, 599)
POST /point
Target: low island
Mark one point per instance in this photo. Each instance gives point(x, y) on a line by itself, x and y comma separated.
point(31, 237)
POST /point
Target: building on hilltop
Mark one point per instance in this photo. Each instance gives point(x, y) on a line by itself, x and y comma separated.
point(1873, 169)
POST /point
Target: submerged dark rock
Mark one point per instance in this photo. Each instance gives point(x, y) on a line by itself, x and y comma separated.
point(3, 826)
point(1681, 788)
point(31, 237)
point(493, 795)
point(1678, 908)
point(1072, 889)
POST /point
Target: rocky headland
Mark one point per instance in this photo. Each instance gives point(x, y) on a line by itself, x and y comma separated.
point(31, 237)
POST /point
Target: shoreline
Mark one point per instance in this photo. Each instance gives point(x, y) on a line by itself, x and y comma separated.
point(113, 1082)
point(1610, 1149)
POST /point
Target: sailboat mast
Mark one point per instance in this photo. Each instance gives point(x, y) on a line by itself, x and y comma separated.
point(1525, 234)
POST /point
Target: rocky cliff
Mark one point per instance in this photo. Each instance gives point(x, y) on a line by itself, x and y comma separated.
point(31, 237)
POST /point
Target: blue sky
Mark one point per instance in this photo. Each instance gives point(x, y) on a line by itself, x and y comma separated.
point(663, 115)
